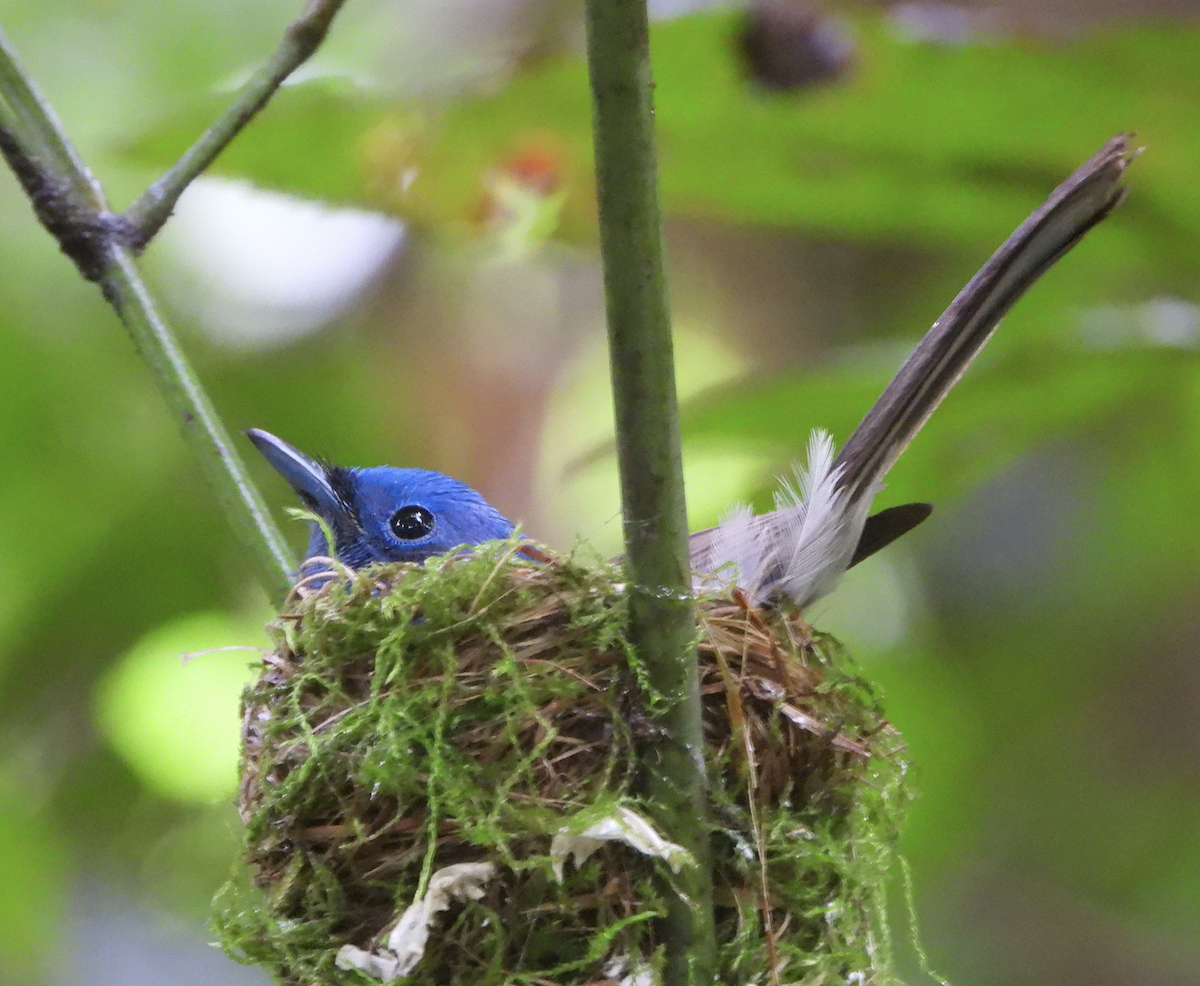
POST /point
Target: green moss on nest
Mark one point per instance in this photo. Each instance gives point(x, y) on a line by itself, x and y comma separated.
point(470, 709)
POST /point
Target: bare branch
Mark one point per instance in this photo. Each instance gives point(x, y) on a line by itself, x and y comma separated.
point(70, 204)
point(301, 39)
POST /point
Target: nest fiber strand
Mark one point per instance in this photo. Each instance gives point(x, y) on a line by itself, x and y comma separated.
point(469, 710)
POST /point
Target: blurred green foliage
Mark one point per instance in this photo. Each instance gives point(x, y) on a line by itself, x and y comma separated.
point(1046, 679)
point(922, 143)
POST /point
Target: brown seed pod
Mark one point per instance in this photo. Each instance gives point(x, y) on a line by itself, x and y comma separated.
point(794, 44)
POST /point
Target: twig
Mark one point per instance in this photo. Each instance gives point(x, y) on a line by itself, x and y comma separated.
point(302, 37)
point(239, 498)
point(662, 624)
point(70, 203)
point(34, 125)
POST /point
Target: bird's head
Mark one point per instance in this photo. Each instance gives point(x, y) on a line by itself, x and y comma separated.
point(383, 513)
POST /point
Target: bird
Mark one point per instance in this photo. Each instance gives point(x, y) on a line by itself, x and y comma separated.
point(383, 513)
point(821, 525)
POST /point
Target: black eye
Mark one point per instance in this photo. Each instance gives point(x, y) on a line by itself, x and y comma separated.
point(411, 523)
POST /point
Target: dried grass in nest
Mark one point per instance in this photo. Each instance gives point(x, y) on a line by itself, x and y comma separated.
point(467, 710)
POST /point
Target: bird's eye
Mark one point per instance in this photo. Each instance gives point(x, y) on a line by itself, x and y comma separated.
point(411, 523)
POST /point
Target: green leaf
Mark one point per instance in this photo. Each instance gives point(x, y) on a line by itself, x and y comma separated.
point(32, 906)
point(932, 144)
point(312, 139)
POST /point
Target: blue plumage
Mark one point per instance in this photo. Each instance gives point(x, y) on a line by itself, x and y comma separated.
point(384, 513)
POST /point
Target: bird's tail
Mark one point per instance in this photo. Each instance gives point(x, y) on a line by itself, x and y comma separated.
point(801, 548)
point(947, 349)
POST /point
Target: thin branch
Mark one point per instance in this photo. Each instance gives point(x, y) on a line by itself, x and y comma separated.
point(302, 37)
point(70, 204)
point(662, 622)
point(235, 491)
point(34, 124)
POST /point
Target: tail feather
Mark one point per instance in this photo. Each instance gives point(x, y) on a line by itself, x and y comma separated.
point(948, 348)
point(797, 550)
point(813, 530)
point(800, 549)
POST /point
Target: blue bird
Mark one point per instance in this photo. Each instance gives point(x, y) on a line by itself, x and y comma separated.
point(821, 526)
point(384, 513)
point(388, 514)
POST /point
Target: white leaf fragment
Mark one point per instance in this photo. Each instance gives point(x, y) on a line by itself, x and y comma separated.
point(623, 825)
point(635, 972)
point(405, 946)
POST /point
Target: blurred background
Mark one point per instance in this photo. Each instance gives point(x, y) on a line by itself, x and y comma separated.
point(397, 264)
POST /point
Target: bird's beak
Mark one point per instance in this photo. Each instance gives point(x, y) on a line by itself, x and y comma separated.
point(306, 476)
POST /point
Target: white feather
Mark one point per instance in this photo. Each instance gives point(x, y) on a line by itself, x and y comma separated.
point(816, 537)
point(800, 549)
point(735, 548)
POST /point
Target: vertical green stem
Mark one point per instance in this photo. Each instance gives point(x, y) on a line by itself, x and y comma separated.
point(662, 623)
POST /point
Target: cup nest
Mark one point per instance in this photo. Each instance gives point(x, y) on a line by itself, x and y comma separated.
point(483, 717)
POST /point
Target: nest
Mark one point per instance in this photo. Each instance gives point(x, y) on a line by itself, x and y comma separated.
point(480, 709)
